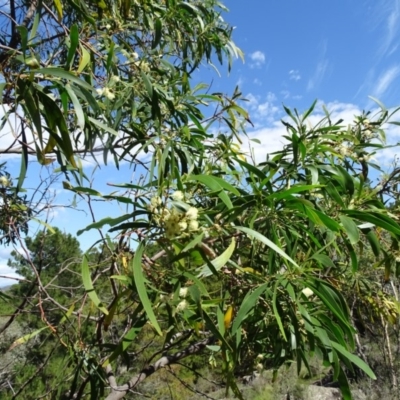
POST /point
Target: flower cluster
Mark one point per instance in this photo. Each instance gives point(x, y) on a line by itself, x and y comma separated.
point(176, 222)
point(4, 181)
point(106, 92)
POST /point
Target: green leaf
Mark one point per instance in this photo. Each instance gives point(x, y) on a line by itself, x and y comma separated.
point(198, 239)
point(80, 116)
point(376, 219)
point(294, 189)
point(348, 180)
point(351, 229)
point(261, 238)
point(103, 126)
point(61, 73)
point(344, 385)
point(85, 59)
point(24, 160)
point(59, 9)
point(329, 222)
point(147, 84)
point(354, 359)
point(309, 111)
point(106, 221)
point(276, 312)
point(380, 104)
point(86, 190)
point(248, 303)
point(56, 121)
point(87, 283)
point(141, 287)
point(215, 184)
point(220, 261)
point(45, 224)
point(374, 242)
point(324, 260)
point(32, 108)
point(157, 33)
point(23, 32)
point(74, 42)
point(331, 299)
point(334, 194)
point(35, 25)
point(126, 341)
point(26, 338)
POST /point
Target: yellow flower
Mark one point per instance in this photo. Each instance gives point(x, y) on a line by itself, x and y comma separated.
point(106, 92)
point(177, 196)
point(307, 292)
point(4, 181)
point(182, 226)
point(155, 201)
point(193, 225)
point(192, 213)
point(182, 306)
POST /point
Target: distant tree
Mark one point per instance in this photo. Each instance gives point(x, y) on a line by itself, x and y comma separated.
point(50, 254)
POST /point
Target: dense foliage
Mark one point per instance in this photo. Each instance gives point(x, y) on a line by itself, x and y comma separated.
point(255, 265)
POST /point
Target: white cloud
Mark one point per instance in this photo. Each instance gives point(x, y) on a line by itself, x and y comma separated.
point(262, 110)
point(271, 140)
point(258, 59)
point(5, 271)
point(240, 82)
point(294, 75)
point(257, 82)
point(270, 131)
point(385, 80)
point(321, 68)
point(285, 94)
point(388, 15)
point(318, 76)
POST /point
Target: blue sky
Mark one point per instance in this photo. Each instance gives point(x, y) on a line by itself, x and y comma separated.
point(339, 52)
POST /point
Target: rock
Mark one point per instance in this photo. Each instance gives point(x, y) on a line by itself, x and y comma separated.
point(313, 392)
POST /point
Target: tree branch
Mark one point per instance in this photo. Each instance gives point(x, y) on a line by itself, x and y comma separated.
point(15, 36)
point(119, 392)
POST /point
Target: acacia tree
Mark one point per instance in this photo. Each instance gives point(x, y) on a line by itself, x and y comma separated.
point(250, 257)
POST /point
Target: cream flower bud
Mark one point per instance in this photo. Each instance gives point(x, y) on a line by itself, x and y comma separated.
point(4, 181)
point(193, 225)
point(163, 298)
point(182, 306)
point(182, 226)
point(177, 196)
point(344, 150)
point(106, 92)
point(192, 213)
point(109, 94)
point(307, 292)
point(183, 292)
point(155, 201)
